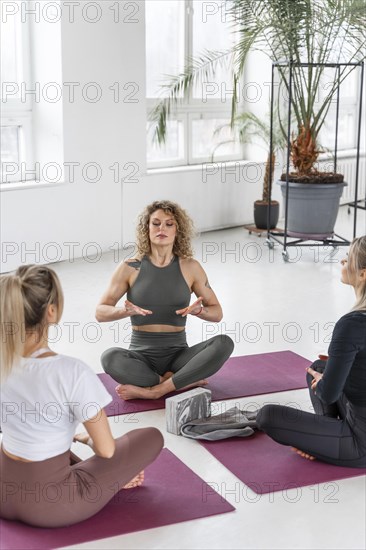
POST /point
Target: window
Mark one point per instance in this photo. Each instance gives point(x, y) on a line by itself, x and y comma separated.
point(177, 30)
point(349, 93)
point(16, 103)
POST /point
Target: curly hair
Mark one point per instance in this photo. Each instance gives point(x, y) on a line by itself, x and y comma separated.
point(185, 230)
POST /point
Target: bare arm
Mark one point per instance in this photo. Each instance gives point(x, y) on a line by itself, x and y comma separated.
point(100, 437)
point(120, 282)
point(211, 310)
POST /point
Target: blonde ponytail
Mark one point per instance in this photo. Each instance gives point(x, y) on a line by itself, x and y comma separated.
point(12, 322)
point(25, 297)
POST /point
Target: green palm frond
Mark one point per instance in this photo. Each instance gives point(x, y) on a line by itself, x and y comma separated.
point(198, 71)
point(314, 32)
point(248, 128)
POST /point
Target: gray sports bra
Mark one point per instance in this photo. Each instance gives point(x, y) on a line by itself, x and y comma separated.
point(163, 290)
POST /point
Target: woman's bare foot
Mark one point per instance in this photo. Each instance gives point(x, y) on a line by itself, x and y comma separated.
point(303, 454)
point(127, 391)
point(169, 374)
point(166, 376)
point(136, 481)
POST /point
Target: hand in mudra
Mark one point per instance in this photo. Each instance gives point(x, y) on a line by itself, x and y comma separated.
point(316, 377)
point(131, 309)
point(193, 309)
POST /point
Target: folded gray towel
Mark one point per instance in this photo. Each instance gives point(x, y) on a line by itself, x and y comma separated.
point(231, 423)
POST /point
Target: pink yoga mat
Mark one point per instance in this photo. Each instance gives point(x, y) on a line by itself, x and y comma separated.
point(266, 466)
point(239, 377)
point(171, 493)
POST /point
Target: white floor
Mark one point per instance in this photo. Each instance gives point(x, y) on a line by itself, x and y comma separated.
point(269, 305)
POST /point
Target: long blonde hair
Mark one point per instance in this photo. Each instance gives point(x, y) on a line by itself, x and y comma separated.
point(24, 298)
point(355, 264)
point(185, 231)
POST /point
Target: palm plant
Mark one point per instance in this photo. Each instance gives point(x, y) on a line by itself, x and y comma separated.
point(249, 128)
point(313, 33)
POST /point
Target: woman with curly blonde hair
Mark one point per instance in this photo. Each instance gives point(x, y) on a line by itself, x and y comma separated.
point(159, 283)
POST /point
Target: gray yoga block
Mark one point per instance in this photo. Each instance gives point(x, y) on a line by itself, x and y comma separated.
point(185, 407)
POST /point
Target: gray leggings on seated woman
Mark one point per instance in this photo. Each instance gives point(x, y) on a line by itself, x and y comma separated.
point(54, 493)
point(152, 354)
point(335, 434)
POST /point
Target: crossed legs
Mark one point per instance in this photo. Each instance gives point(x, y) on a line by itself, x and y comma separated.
point(189, 367)
point(51, 493)
point(325, 435)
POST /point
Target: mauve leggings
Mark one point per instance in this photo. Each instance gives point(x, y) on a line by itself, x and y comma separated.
point(53, 493)
point(335, 434)
point(152, 354)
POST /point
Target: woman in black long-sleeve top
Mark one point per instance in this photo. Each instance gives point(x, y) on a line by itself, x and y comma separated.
point(337, 432)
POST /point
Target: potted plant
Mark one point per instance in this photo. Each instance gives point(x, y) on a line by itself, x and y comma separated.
point(312, 196)
point(315, 32)
point(251, 129)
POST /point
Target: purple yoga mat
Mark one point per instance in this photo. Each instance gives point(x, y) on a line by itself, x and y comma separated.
point(171, 493)
point(266, 466)
point(239, 377)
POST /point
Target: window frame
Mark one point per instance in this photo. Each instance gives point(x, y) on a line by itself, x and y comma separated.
point(190, 108)
point(14, 111)
point(349, 105)
point(173, 163)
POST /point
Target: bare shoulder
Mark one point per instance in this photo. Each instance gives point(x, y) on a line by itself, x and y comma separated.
point(132, 263)
point(192, 269)
point(189, 263)
point(125, 269)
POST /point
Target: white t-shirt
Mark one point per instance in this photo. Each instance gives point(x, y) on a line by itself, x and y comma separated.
point(42, 402)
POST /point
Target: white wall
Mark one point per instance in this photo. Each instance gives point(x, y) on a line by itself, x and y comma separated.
point(105, 132)
point(63, 221)
point(216, 195)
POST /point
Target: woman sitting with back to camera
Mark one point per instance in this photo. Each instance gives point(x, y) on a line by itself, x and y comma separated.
point(44, 396)
point(336, 433)
point(159, 284)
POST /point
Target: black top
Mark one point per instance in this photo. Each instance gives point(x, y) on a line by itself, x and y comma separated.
point(163, 290)
point(345, 370)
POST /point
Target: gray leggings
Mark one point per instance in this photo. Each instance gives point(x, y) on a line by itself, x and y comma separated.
point(61, 490)
point(335, 434)
point(152, 354)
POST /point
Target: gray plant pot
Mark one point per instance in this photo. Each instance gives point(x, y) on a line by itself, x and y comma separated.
point(312, 208)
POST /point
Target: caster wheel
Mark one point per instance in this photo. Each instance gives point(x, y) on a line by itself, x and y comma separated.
point(269, 243)
point(285, 256)
point(348, 210)
point(250, 232)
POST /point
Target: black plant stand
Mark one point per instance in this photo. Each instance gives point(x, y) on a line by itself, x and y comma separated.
point(284, 238)
point(358, 205)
